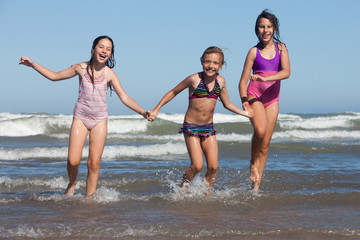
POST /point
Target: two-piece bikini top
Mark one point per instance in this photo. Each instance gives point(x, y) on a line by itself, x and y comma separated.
point(202, 90)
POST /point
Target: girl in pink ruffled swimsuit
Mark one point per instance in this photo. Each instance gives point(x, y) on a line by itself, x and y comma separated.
point(269, 63)
point(90, 113)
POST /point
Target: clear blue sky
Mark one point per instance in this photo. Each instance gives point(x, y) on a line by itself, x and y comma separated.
point(159, 42)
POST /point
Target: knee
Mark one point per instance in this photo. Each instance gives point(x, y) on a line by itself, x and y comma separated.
point(212, 168)
point(260, 131)
point(72, 163)
point(93, 166)
point(196, 168)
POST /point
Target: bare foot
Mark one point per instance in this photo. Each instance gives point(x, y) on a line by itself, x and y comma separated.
point(70, 189)
point(208, 187)
point(254, 177)
point(184, 187)
point(209, 191)
point(255, 186)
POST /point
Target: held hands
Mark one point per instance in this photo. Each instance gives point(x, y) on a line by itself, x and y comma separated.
point(152, 115)
point(26, 61)
point(145, 114)
point(248, 110)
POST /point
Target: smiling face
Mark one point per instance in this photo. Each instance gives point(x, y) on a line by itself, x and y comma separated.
point(211, 63)
point(265, 30)
point(102, 51)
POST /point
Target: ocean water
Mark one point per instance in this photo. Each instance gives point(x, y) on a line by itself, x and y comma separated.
point(310, 190)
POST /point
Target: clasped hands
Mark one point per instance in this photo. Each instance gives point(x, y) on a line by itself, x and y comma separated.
point(150, 115)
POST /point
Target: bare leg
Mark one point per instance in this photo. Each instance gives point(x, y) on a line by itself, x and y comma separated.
point(195, 153)
point(210, 149)
point(259, 123)
point(96, 147)
point(78, 135)
point(272, 112)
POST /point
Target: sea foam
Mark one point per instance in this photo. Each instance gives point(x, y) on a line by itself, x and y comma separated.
point(110, 152)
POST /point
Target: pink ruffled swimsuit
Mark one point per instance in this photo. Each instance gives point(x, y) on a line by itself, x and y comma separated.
point(267, 92)
point(91, 107)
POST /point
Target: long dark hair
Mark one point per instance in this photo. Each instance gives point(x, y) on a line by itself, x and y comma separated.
point(274, 21)
point(110, 62)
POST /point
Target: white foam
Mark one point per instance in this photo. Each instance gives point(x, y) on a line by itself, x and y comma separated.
point(142, 232)
point(176, 118)
point(6, 201)
point(197, 191)
point(229, 118)
point(30, 125)
point(101, 195)
point(56, 183)
point(173, 137)
point(26, 231)
point(122, 126)
point(110, 152)
point(11, 116)
point(57, 197)
point(232, 137)
point(153, 230)
point(37, 152)
point(312, 134)
point(296, 122)
point(154, 150)
point(19, 125)
point(173, 145)
point(236, 137)
point(218, 118)
point(288, 117)
point(105, 195)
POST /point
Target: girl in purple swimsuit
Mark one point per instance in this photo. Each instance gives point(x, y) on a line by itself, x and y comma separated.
point(204, 90)
point(90, 113)
point(269, 62)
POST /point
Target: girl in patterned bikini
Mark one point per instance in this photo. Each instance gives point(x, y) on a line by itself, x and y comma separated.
point(204, 89)
point(90, 113)
point(269, 62)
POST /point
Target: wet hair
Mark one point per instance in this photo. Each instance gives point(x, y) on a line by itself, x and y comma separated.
point(274, 21)
point(110, 62)
point(211, 50)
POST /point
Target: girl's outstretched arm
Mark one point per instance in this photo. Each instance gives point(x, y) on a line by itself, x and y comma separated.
point(49, 74)
point(168, 97)
point(125, 99)
point(225, 99)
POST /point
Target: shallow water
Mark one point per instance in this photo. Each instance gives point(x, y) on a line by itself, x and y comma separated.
point(311, 187)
